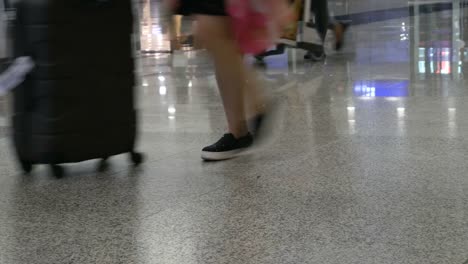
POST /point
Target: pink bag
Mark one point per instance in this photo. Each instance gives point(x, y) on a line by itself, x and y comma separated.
point(257, 24)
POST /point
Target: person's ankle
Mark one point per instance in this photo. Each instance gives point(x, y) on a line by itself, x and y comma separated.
point(239, 134)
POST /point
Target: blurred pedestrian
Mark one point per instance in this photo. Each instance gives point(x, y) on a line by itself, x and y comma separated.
point(323, 22)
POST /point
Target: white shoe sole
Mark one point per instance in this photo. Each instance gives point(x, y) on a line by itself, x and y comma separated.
point(218, 156)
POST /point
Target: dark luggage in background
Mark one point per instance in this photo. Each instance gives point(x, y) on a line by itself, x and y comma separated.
point(78, 103)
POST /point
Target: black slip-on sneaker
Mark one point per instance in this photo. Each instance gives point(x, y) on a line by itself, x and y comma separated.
point(227, 147)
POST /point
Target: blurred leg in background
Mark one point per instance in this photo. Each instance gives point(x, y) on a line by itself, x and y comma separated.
point(178, 38)
point(323, 22)
point(176, 26)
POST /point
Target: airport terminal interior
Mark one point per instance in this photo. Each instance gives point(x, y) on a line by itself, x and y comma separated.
point(366, 161)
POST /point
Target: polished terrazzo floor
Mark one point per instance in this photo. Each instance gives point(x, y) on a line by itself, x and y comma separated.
point(367, 163)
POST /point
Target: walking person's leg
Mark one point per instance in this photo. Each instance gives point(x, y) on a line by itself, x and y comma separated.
point(338, 27)
point(236, 84)
point(325, 21)
point(320, 10)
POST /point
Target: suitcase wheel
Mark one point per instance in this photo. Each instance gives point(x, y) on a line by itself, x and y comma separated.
point(103, 164)
point(57, 171)
point(26, 166)
point(136, 158)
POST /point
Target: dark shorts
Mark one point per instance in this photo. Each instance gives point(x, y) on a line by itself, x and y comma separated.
point(202, 7)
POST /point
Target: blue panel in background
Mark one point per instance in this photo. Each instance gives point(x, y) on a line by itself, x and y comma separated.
point(381, 88)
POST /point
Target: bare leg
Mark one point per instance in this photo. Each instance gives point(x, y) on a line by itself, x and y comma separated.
point(196, 41)
point(254, 96)
point(177, 25)
point(339, 30)
point(231, 72)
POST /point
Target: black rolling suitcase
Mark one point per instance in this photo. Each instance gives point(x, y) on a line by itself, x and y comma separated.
point(78, 103)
